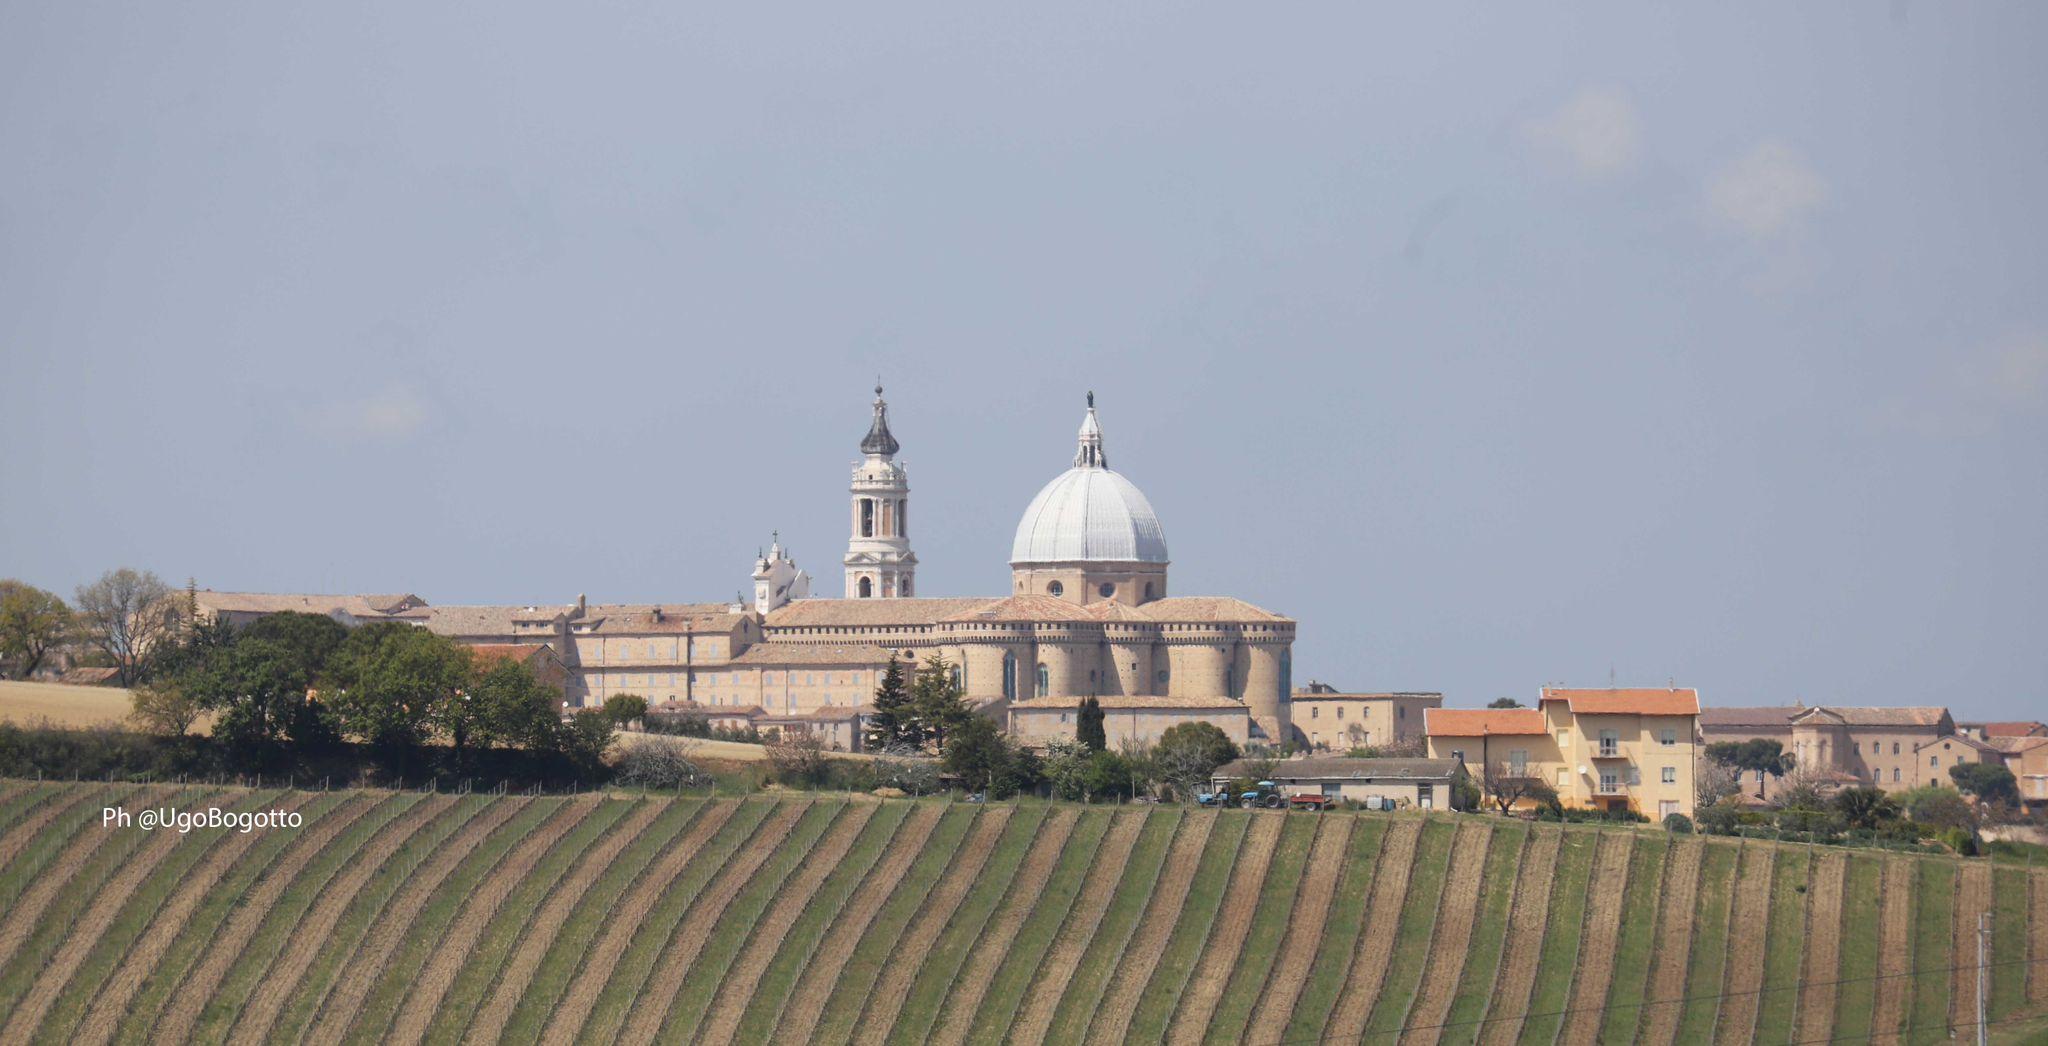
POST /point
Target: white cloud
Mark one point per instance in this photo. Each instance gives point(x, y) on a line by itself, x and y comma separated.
point(1767, 194)
point(1596, 135)
point(1977, 389)
point(391, 415)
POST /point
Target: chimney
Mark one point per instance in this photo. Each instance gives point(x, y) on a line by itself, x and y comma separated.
point(581, 603)
point(657, 613)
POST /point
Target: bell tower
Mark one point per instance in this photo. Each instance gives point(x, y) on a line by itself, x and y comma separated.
point(879, 563)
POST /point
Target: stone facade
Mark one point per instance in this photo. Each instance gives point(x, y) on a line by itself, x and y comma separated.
point(1328, 720)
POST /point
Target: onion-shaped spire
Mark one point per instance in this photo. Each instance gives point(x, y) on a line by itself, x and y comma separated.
point(878, 440)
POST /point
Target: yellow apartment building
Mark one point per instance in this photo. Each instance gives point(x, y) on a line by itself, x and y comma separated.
point(1616, 748)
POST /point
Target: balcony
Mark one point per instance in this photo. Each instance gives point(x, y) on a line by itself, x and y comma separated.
point(1610, 788)
point(1609, 752)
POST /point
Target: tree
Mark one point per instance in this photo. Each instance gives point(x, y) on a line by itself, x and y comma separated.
point(1503, 702)
point(1988, 782)
point(586, 738)
point(394, 681)
point(798, 758)
point(1714, 782)
point(258, 689)
point(893, 723)
point(1866, 808)
point(1506, 785)
point(624, 708)
point(505, 707)
point(164, 708)
point(1088, 726)
point(130, 616)
point(311, 638)
point(1188, 754)
point(1938, 807)
point(661, 764)
point(32, 622)
point(977, 754)
point(1759, 756)
point(935, 701)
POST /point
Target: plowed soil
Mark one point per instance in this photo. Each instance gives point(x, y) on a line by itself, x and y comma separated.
point(1527, 919)
point(1746, 944)
point(1376, 942)
point(1455, 913)
point(1305, 923)
point(1674, 942)
point(28, 906)
point(1072, 943)
point(1233, 921)
point(1141, 953)
point(31, 828)
point(1823, 947)
point(885, 1001)
point(1605, 891)
point(969, 988)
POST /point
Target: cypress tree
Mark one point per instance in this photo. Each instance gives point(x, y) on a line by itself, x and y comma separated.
point(893, 719)
point(1088, 726)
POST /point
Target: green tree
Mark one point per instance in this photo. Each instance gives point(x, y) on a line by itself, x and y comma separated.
point(893, 722)
point(311, 638)
point(392, 683)
point(935, 701)
point(988, 761)
point(1867, 808)
point(624, 708)
point(1088, 726)
point(1988, 782)
point(32, 623)
point(506, 707)
point(164, 708)
point(586, 738)
point(1189, 753)
point(1504, 702)
point(1754, 756)
point(259, 692)
point(131, 617)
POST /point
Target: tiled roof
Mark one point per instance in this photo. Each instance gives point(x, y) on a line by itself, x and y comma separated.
point(2016, 745)
point(642, 618)
point(1344, 768)
point(812, 654)
point(1482, 722)
point(466, 620)
point(1025, 608)
point(1967, 742)
point(1132, 703)
point(301, 602)
point(1764, 717)
point(1332, 695)
point(1627, 700)
point(1111, 610)
point(1207, 608)
point(1853, 715)
point(870, 613)
point(2015, 730)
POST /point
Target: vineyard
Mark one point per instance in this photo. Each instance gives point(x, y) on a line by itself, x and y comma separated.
point(413, 917)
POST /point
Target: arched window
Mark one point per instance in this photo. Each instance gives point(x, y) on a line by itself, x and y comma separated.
point(1044, 681)
point(1009, 676)
point(1054, 588)
point(867, 588)
point(867, 517)
point(1148, 591)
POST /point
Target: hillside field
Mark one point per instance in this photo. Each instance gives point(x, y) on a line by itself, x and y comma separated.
point(408, 917)
point(25, 703)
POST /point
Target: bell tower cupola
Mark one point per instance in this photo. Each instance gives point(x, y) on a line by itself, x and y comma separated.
point(879, 562)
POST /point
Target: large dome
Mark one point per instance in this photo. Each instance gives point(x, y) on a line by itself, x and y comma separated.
point(1089, 513)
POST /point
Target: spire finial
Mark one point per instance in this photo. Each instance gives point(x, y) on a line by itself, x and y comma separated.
point(1091, 454)
point(1091, 399)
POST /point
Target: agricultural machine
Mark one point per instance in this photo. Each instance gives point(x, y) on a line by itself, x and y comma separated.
point(1268, 795)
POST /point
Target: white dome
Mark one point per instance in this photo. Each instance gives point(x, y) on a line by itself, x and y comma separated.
point(1089, 513)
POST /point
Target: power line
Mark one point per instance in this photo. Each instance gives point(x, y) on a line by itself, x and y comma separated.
point(1678, 1000)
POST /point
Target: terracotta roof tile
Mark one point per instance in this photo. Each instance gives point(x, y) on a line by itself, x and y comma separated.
point(870, 613)
point(2028, 729)
point(1207, 608)
point(361, 606)
point(1024, 608)
point(1482, 722)
point(1627, 700)
point(1859, 715)
point(779, 653)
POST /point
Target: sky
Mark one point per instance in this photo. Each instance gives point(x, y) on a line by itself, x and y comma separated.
point(1499, 346)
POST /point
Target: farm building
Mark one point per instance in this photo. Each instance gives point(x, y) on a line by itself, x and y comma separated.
point(1408, 783)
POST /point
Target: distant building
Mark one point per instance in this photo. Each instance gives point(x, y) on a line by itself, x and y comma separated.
point(241, 608)
point(1890, 748)
point(1405, 783)
point(2027, 757)
point(1607, 749)
point(1329, 720)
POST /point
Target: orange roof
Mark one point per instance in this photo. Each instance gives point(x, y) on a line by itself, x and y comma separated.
point(1481, 722)
point(1627, 701)
point(2015, 730)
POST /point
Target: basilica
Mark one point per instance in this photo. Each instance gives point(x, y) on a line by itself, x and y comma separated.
point(1089, 614)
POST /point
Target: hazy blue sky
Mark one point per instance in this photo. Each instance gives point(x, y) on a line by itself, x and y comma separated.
point(1499, 346)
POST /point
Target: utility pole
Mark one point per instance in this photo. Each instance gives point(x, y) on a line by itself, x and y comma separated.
point(1983, 950)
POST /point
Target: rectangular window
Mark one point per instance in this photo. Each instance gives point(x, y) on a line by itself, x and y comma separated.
point(1610, 742)
point(1315, 713)
point(1668, 738)
point(1895, 775)
point(1609, 782)
point(1564, 740)
point(1518, 762)
point(1562, 780)
point(1671, 775)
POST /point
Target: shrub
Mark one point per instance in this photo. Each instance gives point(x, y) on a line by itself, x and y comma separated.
point(659, 765)
point(1722, 818)
point(624, 708)
point(1960, 840)
point(1678, 824)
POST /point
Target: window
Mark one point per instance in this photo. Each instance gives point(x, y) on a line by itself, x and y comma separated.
point(1518, 762)
point(1402, 712)
point(1564, 740)
point(867, 519)
point(1671, 775)
point(1162, 675)
point(906, 588)
point(1045, 684)
point(1054, 588)
point(1562, 780)
point(1666, 807)
point(903, 528)
point(1667, 737)
point(1148, 591)
point(1610, 742)
point(867, 588)
point(1895, 775)
point(1895, 748)
point(1609, 782)
point(1933, 760)
point(1107, 590)
point(1009, 676)
point(1340, 711)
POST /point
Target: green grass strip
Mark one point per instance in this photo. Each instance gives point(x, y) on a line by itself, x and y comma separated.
point(736, 924)
point(1269, 925)
point(1318, 998)
point(636, 966)
point(398, 975)
point(1705, 974)
point(1785, 944)
point(120, 844)
point(2008, 941)
point(1567, 923)
point(472, 986)
point(764, 1009)
point(1489, 935)
point(949, 953)
point(53, 837)
point(864, 966)
point(246, 974)
point(1856, 996)
point(1126, 906)
point(1191, 931)
point(23, 801)
point(135, 916)
point(1410, 956)
point(364, 909)
point(1006, 989)
point(185, 949)
point(1641, 907)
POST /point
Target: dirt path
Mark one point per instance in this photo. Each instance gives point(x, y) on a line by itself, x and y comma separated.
point(439, 971)
point(729, 1002)
point(1673, 955)
point(1973, 896)
point(1816, 1017)
point(303, 943)
point(595, 972)
point(1605, 892)
point(352, 982)
point(1528, 917)
point(644, 1021)
point(1306, 922)
point(111, 1001)
point(970, 986)
point(885, 999)
point(28, 907)
point(189, 998)
point(1204, 989)
point(1057, 968)
point(814, 983)
point(107, 901)
point(1457, 909)
point(1746, 938)
point(1376, 941)
point(1894, 947)
point(1148, 941)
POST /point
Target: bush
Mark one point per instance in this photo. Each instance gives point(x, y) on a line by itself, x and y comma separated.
point(1678, 824)
point(1961, 840)
point(1722, 818)
point(659, 765)
point(624, 708)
